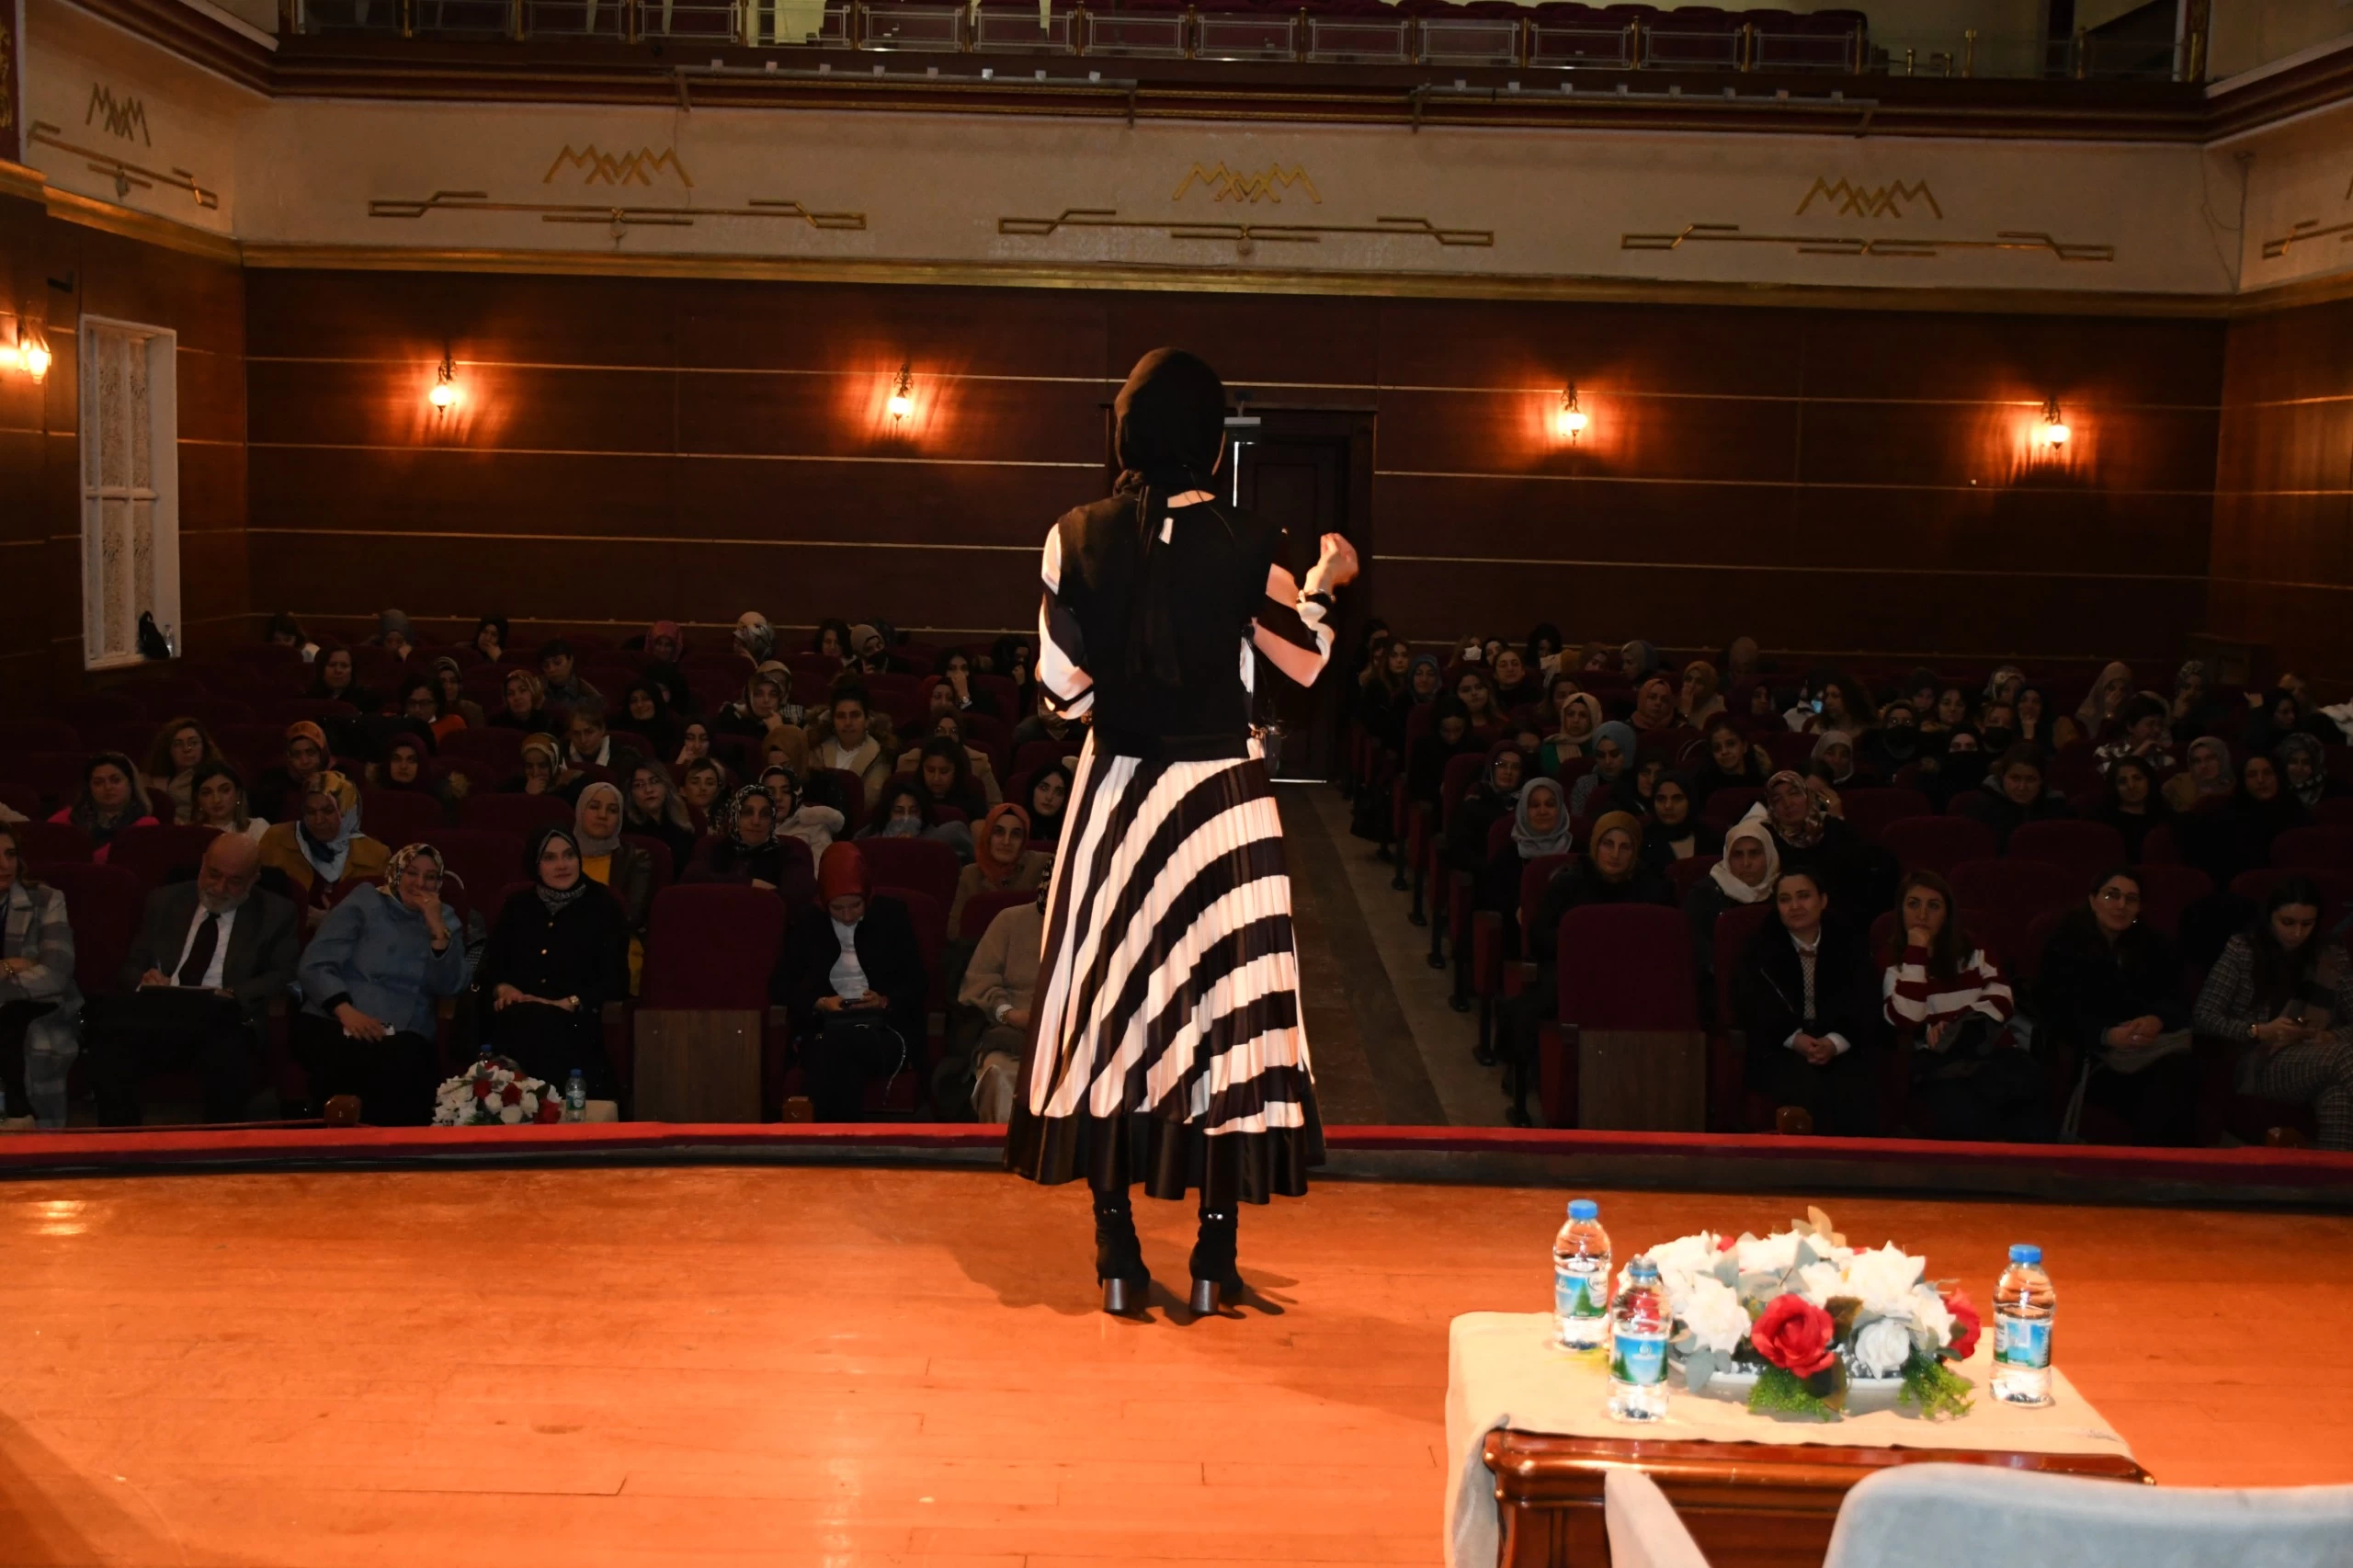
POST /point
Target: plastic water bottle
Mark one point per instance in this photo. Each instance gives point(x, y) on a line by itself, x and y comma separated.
point(1639, 1325)
point(2024, 1309)
point(1581, 1279)
point(576, 1098)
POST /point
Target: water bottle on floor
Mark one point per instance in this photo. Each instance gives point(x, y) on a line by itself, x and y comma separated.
point(576, 1098)
point(2024, 1307)
point(1639, 1324)
point(1581, 1278)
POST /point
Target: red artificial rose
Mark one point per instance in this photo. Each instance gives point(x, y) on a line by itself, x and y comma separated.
point(1965, 1324)
point(482, 1088)
point(1794, 1334)
point(550, 1110)
point(1724, 1243)
point(512, 1093)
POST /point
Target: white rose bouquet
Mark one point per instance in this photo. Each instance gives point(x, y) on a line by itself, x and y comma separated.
point(493, 1091)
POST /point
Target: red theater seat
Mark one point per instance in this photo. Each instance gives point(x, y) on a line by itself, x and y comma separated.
point(922, 864)
point(159, 854)
point(1868, 812)
point(103, 904)
point(521, 815)
point(984, 907)
point(1937, 844)
point(2086, 849)
point(400, 817)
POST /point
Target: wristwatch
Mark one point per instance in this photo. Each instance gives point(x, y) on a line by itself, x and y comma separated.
point(1002, 1009)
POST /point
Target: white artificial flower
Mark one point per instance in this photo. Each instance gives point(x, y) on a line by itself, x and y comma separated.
point(1882, 1348)
point(1883, 1280)
point(1714, 1315)
point(511, 1114)
point(1817, 1282)
point(1930, 1314)
point(1767, 1255)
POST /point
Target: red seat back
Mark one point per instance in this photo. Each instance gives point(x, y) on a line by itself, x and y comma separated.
point(922, 864)
point(2019, 887)
point(1868, 812)
point(481, 862)
point(2166, 891)
point(103, 905)
point(1534, 876)
point(400, 817)
point(984, 907)
point(2335, 886)
point(158, 855)
point(1792, 750)
point(2088, 848)
point(1460, 771)
point(2317, 846)
point(38, 734)
point(1686, 874)
point(1734, 926)
point(711, 946)
point(1627, 966)
point(1731, 803)
point(928, 915)
point(521, 815)
point(46, 844)
point(1937, 844)
point(499, 747)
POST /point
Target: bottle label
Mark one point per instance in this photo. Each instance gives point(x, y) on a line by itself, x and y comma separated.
point(1581, 1287)
point(2021, 1341)
point(1638, 1358)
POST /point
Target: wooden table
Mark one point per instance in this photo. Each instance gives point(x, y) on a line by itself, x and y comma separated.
point(1751, 1504)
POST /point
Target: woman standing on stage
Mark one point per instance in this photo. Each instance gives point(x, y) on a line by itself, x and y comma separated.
point(1169, 1046)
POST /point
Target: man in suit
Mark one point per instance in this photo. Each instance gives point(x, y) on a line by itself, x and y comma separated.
point(209, 958)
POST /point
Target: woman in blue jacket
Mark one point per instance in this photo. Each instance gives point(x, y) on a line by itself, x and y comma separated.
point(369, 981)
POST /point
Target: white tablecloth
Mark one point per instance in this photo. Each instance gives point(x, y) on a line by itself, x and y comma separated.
point(1504, 1370)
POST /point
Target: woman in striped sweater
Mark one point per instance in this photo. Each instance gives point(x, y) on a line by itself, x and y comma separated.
point(1971, 1077)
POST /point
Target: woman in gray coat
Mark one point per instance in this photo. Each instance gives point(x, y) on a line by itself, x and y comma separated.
point(370, 980)
point(40, 1010)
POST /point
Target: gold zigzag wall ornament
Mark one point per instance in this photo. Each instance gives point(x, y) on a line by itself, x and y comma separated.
point(126, 175)
point(1242, 237)
point(1853, 200)
point(619, 218)
point(1225, 184)
point(2308, 231)
point(124, 115)
point(603, 168)
point(1887, 247)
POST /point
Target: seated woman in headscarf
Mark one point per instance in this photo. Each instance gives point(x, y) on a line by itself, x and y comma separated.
point(407, 770)
point(1654, 705)
point(450, 677)
point(2304, 767)
point(322, 854)
point(621, 867)
point(1744, 876)
point(1049, 791)
point(704, 786)
point(645, 712)
point(557, 953)
point(111, 799)
point(334, 683)
point(746, 848)
point(813, 822)
point(541, 769)
point(761, 708)
point(754, 638)
point(656, 811)
point(1540, 828)
point(852, 737)
point(1834, 763)
point(1450, 737)
point(2014, 794)
point(1002, 861)
point(2131, 803)
point(831, 640)
point(875, 642)
point(665, 646)
point(220, 803)
point(1578, 714)
point(2195, 709)
point(490, 638)
point(905, 811)
point(1699, 701)
point(694, 745)
point(2236, 836)
point(851, 975)
point(526, 705)
point(1638, 660)
point(1610, 785)
point(1893, 744)
point(1672, 830)
point(178, 749)
point(1492, 797)
point(2208, 778)
point(1808, 836)
point(2098, 712)
point(1734, 763)
point(370, 980)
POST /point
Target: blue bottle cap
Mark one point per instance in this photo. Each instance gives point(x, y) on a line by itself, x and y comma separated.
point(2026, 1253)
point(1584, 1209)
point(1642, 1269)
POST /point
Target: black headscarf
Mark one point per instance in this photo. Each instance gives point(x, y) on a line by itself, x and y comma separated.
point(1171, 427)
point(557, 900)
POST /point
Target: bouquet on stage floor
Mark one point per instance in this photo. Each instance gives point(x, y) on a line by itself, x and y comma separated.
point(495, 1092)
point(1801, 1316)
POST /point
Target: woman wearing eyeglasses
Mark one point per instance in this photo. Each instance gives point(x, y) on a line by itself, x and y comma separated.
point(2110, 992)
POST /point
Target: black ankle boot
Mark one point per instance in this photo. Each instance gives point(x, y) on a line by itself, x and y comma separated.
point(1119, 1256)
point(1217, 1277)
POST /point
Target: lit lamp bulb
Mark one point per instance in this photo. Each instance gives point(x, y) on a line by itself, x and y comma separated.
point(1570, 421)
point(903, 393)
point(444, 388)
point(34, 356)
point(2054, 429)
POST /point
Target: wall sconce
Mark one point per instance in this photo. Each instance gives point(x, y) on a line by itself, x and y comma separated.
point(28, 354)
point(445, 390)
point(1570, 421)
point(2054, 431)
point(903, 392)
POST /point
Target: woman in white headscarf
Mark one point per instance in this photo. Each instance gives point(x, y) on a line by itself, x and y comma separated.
point(2108, 693)
point(1744, 876)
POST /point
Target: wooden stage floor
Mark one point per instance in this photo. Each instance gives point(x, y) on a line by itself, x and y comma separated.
point(836, 1365)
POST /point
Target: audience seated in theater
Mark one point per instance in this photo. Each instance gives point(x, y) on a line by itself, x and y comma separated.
point(2236, 836)
point(395, 633)
point(955, 673)
point(645, 712)
point(1733, 762)
point(1541, 651)
point(621, 867)
point(592, 747)
point(40, 1008)
point(525, 706)
point(851, 976)
point(2283, 713)
point(490, 640)
point(1597, 658)
point(2143, 731)
point(1672, 830)
point(407, 770)
point(419, 699)
point(664, 645)
point(560, 676)
point(754, 638)
point(746, 847)
point(179, 748)
point(1540, 827)
point(1476, 692)
point(703, 785)
point(449, 677)
point(2303, 767)
point(1744, 876)
point(1654, 705)
point(1611, 784)
point(1743, 661)
point(539, 769)
point(277, 795)
point(557, 953)
point(1806, 994)
point(1810, 836)
point(2108, 995)
point(2038, 724)
point(2131, 803)
point(1450, 736)
point(799, 817)
point(2281, 996)
point(2103, 705)
point(951, 773)
point(110, 800)
point(1490, 798)
point(335, 682)
point(906, 810)
point(1971, 1071)
point(320, 852)
point(1893, 743)
point(285, 631)
point(1638, 660)
point(656, 811)
point(874, 644)
point(1049, 793)
point(370, 981)
point(1015, 657)
point(2209, 779)
point(1847, 707)
point(2013, 795)
point(1834, 763)
point(1000, 983)
point(1577, 716)
point(209, 958)
point(2005, 684)
point(2196, 709)
point(693, 744)
point(1952, 713)
point(1514, 685)
point(830, 640)
point(852, 737)
point(1002, 860)
point(1045, 724)
point(220, 798)
point(1700, 700)
point(761, 709)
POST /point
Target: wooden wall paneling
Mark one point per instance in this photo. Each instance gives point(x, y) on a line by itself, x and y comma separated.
point(1681, 438)
point(825, 328)
point(1536, 348)
point(1251, 339)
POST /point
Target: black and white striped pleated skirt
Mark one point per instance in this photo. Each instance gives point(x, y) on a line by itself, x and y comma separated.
point(1168, 1045)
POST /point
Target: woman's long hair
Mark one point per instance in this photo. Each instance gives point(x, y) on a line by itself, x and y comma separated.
point(2281, 975)
point(1949, 951)
point(159, 750)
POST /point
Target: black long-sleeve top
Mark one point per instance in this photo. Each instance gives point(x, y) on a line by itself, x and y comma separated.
point(2087, 985)
point(1578, 885)
point(887, 951)
point(1769, 989)
point(581, 950)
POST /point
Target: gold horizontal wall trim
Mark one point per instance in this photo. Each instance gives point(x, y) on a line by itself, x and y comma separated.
point(2275, 583)
point(651, 538)
point(1810, 571)
point(466, 620)
point(2221, 493)
point(1774, 484)
point(422, 450)
point(113, 218)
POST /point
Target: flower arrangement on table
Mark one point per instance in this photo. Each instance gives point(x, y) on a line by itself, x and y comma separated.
point(495, 1092)
point(1806, 1315)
